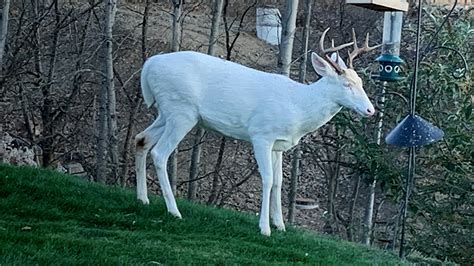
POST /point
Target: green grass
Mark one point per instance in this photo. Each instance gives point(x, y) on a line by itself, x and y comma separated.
point(48, 218)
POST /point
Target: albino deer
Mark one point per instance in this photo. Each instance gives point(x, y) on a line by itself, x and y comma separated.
point(270, 111)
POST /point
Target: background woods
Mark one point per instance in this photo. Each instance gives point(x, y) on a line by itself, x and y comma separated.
point(69, 90)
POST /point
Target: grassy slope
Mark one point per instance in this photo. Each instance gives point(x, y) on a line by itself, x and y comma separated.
point(49, 218)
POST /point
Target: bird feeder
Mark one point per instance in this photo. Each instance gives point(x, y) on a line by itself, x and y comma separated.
point(380, 5)
point(390, 61)
point(414, 131)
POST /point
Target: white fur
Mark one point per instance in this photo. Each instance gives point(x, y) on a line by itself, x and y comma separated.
point(269, 110)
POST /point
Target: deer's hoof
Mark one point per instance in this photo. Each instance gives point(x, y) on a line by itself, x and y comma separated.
point(280, 227)
point(176, 214)
point(144, 200)
point(265, 231)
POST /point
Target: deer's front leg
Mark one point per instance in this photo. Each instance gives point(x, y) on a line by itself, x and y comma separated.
point(263, 155)
point(277, 215)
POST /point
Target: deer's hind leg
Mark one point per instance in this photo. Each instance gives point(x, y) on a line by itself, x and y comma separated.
point(144, 141)
point(176, 127)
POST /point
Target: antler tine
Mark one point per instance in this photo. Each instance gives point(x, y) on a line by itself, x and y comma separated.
point(354, 38)
point(357, 50)
point(321, 40)
point(366, 45)
point(352, 54)
point(331, 50)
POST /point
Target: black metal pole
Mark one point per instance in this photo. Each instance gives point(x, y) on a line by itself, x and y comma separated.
point(411, 161)
point(417, 59)
point(409, 182)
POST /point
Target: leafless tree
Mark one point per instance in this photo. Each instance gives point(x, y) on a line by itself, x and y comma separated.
point(107, 128)
point(228, 25)
point(176, 24)
point(175, 46)
point(196, 153)
point(302, 77)
point(288, 35)
point(111, 9)
point(4, 30)
point(40, 33)
point(230, 43)
point(137, 100)
point(284, 64)
point(46, 81)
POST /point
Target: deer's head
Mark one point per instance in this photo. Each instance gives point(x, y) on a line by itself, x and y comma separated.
point(350, 91)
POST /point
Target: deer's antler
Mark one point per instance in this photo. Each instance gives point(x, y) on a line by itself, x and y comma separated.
point(333, 49)
point(357, 50)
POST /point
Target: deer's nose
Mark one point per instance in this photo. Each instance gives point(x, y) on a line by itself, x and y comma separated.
point(370, 111)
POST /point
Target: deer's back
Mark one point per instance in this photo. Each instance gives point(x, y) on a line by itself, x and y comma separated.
point(227, 97)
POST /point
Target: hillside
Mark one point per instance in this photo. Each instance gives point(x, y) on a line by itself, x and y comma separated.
point(50, 218)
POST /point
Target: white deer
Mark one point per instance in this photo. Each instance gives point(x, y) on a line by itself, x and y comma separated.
point(270, 111)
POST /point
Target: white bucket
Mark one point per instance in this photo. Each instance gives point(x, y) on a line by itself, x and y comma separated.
point(269, 25)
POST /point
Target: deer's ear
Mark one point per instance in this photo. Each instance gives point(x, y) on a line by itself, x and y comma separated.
point(322, 67)
point(336, 58)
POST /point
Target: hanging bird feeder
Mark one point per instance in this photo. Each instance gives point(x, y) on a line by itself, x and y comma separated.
point(390, 61)
point(380, 5)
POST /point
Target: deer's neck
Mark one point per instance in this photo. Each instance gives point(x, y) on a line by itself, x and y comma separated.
point(319, 102)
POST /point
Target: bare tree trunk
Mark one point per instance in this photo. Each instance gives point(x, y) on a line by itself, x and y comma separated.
point(297, 152)
point(284, 60)
point(175, 45)
point(176, 30)
point(229, 47)
point(173, 170)
point(333, 172)
point(288, 35)
point(350, 220)
point(369, 209)
point(48, 144)
point(295, 169)
point(216, 17)
point(215, 179)
point(196, 153)
point(38, 62)
point(4, 30)
point(138, 99)
point(111, 9)
point(37, 49)
point(194, 167)
point(44, 84)
point(106, 112)
point(102, 136)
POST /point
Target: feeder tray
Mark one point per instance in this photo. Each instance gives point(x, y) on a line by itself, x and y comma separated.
point(414, 131)
point(380, 5)
point(306, 204)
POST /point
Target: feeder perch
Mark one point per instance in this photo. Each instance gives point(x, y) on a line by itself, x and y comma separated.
point(306, 204)
point(380, 5)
